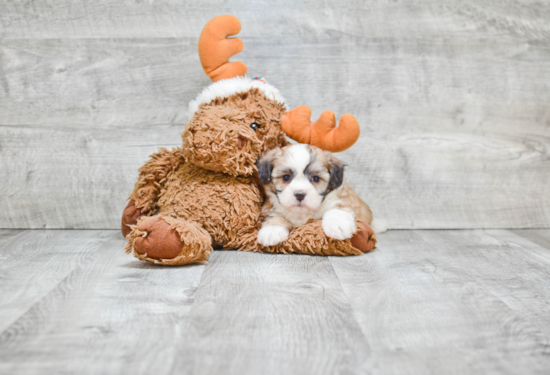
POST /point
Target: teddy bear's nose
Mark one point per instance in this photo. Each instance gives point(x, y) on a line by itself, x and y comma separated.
point(241, 141)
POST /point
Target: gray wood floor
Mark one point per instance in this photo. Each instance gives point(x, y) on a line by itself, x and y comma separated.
point(464, 302)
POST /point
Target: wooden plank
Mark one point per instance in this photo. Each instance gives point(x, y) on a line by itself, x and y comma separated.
point(539, 236)
point(45, 256)
point(271, 314)
point(452, 101)
point(535, 243)
point(105, 82)
point(81, 179)
point(6, 234)
point(427, 304)
point(453, 180)
point(172, 18)
point(513, 269)
point(98, 83)
point(111, 314)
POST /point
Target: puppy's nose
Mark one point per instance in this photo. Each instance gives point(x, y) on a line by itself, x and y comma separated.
point(300, 196)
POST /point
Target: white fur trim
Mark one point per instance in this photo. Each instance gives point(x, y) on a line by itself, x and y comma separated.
point(227, 87)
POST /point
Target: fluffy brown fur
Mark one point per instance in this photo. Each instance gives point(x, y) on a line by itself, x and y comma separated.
point(310, 239)
point(224, 205)
point(152, 177)
point(207, 193)
point(212, 138)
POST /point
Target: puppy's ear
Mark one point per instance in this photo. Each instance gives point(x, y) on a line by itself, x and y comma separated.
point(265, 165)
point(336, 171)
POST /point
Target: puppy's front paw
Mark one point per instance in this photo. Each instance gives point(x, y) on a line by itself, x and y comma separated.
point(339, 224)
point(272, 235)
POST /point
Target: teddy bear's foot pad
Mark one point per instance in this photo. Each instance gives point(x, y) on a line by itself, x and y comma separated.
point(162, 241)
point(169, 241)
point(365, 238)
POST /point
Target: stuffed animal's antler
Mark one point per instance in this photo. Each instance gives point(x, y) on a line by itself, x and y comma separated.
point(323, 133)
point(215, 48)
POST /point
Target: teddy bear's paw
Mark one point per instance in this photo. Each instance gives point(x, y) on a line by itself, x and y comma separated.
point(365, 238)
point(130, 216)
point(272, 235)
point(161, 242)
point(339, 224)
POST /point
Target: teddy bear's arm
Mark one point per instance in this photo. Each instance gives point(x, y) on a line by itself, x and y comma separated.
point(152, 177)
point(310, 239)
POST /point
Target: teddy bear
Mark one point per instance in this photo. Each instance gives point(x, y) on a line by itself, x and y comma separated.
point(206, 194)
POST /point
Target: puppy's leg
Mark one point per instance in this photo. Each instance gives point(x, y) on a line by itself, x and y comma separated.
point(339, 224)
point(274, 231)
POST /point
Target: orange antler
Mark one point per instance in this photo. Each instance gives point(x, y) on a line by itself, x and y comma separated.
point(323, 133)
point(215, 48)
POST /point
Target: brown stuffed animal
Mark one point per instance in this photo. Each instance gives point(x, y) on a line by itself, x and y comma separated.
point(207, 194)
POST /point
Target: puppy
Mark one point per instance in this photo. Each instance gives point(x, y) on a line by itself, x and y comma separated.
point(303, 182)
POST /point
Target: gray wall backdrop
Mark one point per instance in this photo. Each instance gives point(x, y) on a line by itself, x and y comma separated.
point(453, 98)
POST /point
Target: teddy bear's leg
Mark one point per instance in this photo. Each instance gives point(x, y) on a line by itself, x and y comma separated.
point(311, 239)
point(169, 241)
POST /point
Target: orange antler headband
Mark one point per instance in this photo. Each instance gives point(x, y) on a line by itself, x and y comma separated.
point(323, 133)
point(215, 48)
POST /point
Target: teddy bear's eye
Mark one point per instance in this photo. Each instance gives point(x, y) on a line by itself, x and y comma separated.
point(254, 126)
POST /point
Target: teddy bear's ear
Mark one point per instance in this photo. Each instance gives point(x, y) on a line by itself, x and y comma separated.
point(322, 133)
point(215, 48)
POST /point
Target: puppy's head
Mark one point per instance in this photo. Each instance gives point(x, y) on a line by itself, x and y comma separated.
point(300, 176)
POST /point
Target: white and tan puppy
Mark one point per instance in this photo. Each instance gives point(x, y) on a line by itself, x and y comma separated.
point(303, 182)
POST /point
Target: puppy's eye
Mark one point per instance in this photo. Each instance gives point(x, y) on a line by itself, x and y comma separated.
point(315, 178)
point(254, 126)
point(286, 178)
